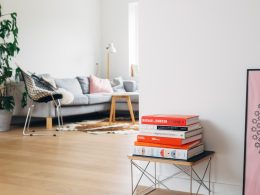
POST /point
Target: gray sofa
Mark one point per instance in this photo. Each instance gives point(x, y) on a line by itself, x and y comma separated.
point(83, 102)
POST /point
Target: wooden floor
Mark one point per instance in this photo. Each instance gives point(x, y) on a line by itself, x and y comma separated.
point(74, 163)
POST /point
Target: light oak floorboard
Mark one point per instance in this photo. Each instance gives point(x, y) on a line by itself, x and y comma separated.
point(74, 163)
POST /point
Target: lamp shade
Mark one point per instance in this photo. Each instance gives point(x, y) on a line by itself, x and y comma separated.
point(111, 48)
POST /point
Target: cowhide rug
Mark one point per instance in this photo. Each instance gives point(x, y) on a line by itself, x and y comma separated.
point(102, 126)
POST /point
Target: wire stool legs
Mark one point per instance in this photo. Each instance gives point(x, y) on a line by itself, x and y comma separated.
point(59, 115)
point(28, 132)
point(26, 127)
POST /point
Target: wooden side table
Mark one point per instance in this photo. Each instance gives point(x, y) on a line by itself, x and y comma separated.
point(186, 167)
point(115, 97)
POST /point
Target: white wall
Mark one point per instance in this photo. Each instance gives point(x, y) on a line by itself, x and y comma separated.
point(194, 56)
point(56, 36)
point(114, 28)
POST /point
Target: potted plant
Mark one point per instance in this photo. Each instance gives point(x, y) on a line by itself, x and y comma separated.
point(8, 49)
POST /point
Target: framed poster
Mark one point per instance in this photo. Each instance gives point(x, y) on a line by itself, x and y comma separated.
point(251, 181)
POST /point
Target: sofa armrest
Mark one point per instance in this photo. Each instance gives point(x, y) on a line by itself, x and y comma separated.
point(130, 86)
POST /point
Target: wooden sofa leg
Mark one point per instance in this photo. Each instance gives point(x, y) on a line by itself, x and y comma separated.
point(48, 123)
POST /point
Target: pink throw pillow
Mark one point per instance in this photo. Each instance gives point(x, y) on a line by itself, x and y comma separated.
point(98, 85)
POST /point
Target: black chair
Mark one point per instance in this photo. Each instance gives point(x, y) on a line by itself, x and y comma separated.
point(40, 91)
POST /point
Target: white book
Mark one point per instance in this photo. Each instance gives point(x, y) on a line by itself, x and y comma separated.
point(169, 153)
point(172, 134)
point(169, 128)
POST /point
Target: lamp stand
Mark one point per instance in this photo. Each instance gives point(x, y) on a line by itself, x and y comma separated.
point(108, 66)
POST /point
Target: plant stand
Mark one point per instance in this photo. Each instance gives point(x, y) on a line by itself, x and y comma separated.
point(5, 120)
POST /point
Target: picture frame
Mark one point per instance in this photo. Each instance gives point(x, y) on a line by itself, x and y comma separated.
point(251, 179)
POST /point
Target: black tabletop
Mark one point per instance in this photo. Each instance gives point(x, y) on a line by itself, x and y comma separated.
point(191, 160)
point(200, 156)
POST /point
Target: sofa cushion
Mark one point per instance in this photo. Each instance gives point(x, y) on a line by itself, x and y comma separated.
point(78, 100)
point(84, 84)
point(98, 85)
point(71, 84)
point(130, 86)
point(133, 96)
point(97, 98)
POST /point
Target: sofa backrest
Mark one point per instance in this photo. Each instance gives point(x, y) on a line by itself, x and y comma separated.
point(70, 84)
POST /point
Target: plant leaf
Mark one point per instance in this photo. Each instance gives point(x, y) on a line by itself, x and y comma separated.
point(7, 103)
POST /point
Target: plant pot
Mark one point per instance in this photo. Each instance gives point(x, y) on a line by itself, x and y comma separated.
point(5, 120)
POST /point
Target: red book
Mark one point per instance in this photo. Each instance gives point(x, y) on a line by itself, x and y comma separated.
point(167, 140)
point(171, 120)
point(185, 146)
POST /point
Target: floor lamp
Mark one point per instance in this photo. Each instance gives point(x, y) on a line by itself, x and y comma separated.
point(110, 50)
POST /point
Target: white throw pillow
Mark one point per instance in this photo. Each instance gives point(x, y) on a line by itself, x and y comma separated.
point(67, 97)
point(118, 84)
point(117, 81)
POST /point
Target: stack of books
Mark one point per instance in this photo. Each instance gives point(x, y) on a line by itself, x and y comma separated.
point(169, 136)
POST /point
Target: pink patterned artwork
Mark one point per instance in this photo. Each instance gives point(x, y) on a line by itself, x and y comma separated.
point(252, 135)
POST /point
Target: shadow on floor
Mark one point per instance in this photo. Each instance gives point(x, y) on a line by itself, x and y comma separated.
point(19, 121)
